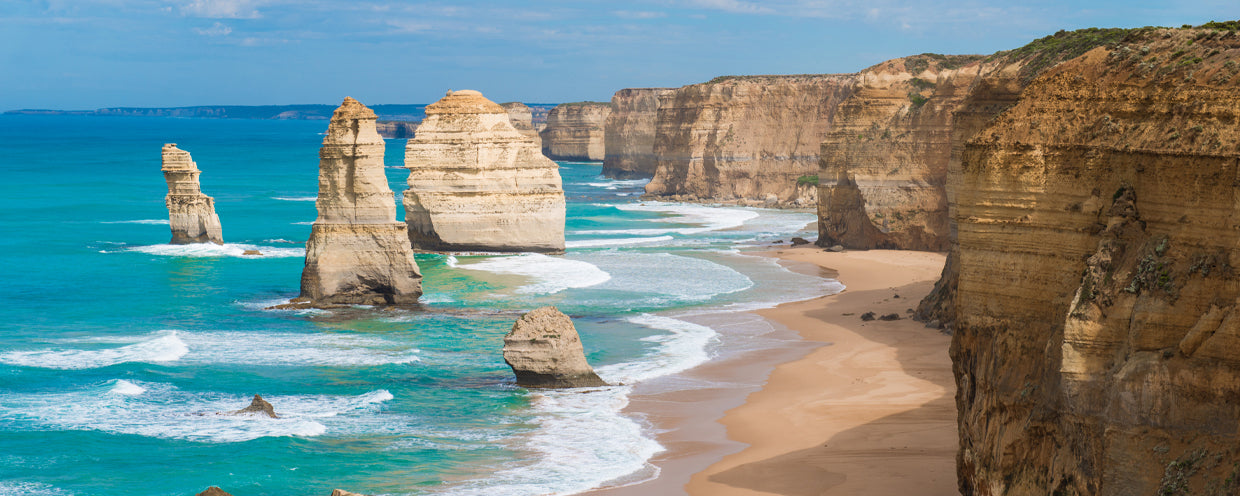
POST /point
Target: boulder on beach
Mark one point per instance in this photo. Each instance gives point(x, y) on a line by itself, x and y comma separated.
point(258, 406)
point(544, 351)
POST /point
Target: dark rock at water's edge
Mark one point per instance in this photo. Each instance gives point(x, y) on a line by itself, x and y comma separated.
point(258, 406)
point(342, 492)
point(799, 241)
point(545, 351)
point(214, 491)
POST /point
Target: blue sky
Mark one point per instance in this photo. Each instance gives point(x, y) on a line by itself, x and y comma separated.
point(84, 54)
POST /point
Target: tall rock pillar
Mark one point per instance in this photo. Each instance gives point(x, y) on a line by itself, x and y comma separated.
point(358, 253)
point(191, 214)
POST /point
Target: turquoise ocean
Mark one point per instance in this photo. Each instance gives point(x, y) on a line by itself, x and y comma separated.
point(119, 349)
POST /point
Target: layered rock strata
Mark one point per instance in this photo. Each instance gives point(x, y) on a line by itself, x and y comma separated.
point(1097, 347)
point(191, 214)
point(522, 118)
point(745, 138)
point(544, 351)
point(629, 133)
point(358, 253)
point(396, 129)
point(478, 184)
point(575, 131)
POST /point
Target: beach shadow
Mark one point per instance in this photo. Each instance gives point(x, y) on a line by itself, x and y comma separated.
point(914, 448)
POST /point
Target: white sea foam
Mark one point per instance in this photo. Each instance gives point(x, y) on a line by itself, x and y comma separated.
point(212, 250)
point(127, 388)
point(222, 347)
point(282, 240)
point(663, 277)
point(553, 274)
point(307, 223)
point(450, 261)
point(26, 488)
point(708, 218)
point(620, 183)
point(139, 221)
point(163, 411)
point(683, 348)
point(166, 347)
point(594, 243)
point(296, 198)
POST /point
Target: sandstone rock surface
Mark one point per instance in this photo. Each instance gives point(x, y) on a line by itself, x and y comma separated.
point(522, 118)
point(629, 133)
point(575, 131)
point(745, 137)
point(358, 253)
point(478, 184)
point(396, 129)
point(544, 350)
point(191, 214)
point(1097, 341)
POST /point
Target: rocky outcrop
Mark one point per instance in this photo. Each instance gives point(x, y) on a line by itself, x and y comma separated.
point(258, 406)
point(1097, 341)
point(478, 184)
point(629, 131)
point(396, 129)
point(544, 351)
point(575, 131)
point(191, 214)
point(358, 253)
point(745, 138)
point(522, 118)
point(214, 491)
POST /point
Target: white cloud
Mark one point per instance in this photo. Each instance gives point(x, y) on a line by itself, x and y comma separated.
point(407, 26)
point(217, 29)
point(734, 6)
point(222, 9)
point(630, 14)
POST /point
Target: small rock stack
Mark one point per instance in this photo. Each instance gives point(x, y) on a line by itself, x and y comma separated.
point(191, 214)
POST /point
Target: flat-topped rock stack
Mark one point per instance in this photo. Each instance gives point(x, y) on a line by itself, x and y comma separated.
point(575, 131)
point(191, 214)
point(629, 133)
point(522, 118)
point(358, 253)
point(476, 183)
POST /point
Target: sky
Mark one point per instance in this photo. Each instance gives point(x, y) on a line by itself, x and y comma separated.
point(86, 54)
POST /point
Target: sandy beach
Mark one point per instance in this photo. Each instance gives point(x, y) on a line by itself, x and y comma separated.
point(847, 406)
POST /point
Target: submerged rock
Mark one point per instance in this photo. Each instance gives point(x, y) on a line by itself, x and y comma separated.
point(214, 491)
point(478, 184)
point(191, 214)
point(544, 351)
point(358, 253)
point(258, 406)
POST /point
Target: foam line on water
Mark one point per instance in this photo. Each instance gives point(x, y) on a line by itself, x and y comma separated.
point(212, 250)
point(27, 488)
point(139, 221)
point(620, 183)
point(296, 198)
point(162, 349)
point(164, 411)
point(223, 347)
point(664, 277)
point(552, 274)
point(680, 348)
point(708, 218)
point(595, 243)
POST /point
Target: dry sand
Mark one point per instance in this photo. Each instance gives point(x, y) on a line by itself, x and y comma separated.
point(854, 408)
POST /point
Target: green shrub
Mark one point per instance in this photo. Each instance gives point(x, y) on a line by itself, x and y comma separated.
point(810, 180)
point(917, 99)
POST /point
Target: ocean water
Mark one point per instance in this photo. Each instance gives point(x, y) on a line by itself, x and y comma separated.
point(120, 350)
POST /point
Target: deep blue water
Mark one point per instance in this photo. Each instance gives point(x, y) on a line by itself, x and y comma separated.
point(119, 350)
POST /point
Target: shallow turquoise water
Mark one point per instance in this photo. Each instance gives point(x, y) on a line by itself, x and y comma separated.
point(120, 350)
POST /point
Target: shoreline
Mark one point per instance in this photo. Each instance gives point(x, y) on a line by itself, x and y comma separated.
point(884, 424)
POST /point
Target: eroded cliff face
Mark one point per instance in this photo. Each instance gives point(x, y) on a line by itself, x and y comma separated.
point(478, 184)
point(629, 133)
point(522, 118)
point(575, 131)
point(191, 214)
point(1097, 348)
point(745, 138)
point(396, 129)
point(358, 253)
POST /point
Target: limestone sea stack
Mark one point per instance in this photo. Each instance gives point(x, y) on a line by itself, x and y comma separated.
point(522, 118)
point(191, 214)
point(575, 131)
point(628, 133)
point(358, 253)
point(477, 184)
point(544, 351)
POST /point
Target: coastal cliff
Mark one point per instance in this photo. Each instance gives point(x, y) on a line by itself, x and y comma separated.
point(396, 129)
point(745, 138)
point(522, 118)
point(191, 214)
point(358, 253)
point(629, 133)
point(1097, 341)
point(575, 131)
point(478, 184)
